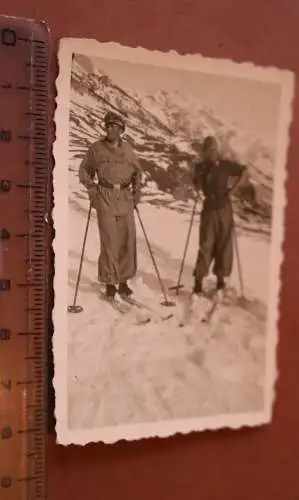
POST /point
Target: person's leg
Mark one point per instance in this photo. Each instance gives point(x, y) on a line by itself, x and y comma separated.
point(206, 249)
point(224, 247)
point(108, 268)
point(127, 251)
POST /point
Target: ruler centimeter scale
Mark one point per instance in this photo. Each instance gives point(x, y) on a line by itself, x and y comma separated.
point(24, 203)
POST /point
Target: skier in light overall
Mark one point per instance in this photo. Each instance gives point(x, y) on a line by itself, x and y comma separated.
point(211, 176)
point(112, 175)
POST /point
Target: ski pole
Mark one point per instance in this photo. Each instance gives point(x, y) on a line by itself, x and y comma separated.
point(74, 308)
point(238, 261)
point(242, 296)
point(166, 301)
point(178, 285)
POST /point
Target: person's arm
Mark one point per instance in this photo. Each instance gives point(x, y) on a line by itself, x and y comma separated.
point(136, 179)
point(197, 176)
point(86, 174)
point(240, 172)
point(243, 185)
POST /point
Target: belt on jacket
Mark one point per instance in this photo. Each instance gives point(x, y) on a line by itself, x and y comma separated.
point(117, 186)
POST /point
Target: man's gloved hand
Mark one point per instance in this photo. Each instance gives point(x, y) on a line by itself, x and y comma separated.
point(92, 193)
point(136, 199)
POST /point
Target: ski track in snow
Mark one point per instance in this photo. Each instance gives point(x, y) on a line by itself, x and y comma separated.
point(120, 372)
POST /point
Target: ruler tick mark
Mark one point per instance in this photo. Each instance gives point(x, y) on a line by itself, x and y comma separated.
point(27, 186)
point(27, 431)
point(6, 86)
point(27, 479)
point(31, 40)
point(27, 334)
point(32, 454)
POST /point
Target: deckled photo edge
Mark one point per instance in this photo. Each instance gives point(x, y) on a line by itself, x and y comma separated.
point(161, 429)
point(60, 242)
point(279, 203)
point(173, 59)
point(93, 48)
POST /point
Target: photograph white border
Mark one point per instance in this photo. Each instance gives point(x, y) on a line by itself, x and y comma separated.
point(190, 62)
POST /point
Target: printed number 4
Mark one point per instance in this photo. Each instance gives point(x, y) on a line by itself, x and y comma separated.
point(8, 37)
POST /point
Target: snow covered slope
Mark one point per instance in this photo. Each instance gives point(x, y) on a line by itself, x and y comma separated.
point(120, 373)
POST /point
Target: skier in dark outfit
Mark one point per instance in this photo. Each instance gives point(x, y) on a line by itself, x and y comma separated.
point(211, 176)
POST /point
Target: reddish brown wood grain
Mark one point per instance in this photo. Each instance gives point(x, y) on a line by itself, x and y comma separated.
point(259, 464)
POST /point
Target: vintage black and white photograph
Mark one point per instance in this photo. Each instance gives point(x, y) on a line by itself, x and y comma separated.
point(169, 192)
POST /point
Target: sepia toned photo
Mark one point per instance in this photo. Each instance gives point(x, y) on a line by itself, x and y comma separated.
point(169, 193)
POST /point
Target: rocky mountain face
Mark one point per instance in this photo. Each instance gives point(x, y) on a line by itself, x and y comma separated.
point(166, 130)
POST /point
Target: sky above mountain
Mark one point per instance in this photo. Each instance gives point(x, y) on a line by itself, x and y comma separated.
point(251, 105)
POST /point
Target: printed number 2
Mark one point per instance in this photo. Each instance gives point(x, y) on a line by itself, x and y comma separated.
point(8, 37)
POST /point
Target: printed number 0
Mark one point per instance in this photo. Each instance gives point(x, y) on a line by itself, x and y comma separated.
point(8, 37)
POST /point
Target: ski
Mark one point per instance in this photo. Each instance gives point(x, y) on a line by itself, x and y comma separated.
point(130, 300)
point(115, 304)
point(124, 308)
point(215, 302)
point(135, 303)
point(208, 313)
point(189, 312)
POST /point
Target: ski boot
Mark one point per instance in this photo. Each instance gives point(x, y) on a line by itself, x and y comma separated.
point(110, 292)
point(220, 288)
point(124, 290)
point(197, 289)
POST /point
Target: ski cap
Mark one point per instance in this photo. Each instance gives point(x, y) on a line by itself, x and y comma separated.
point(112, 118)
point(209, 141)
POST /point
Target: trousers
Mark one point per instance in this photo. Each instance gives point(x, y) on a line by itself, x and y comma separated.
point(215, 242)
point(118, 253)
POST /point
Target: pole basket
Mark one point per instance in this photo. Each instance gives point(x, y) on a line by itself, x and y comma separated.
point(75, 309)
point(177, 288)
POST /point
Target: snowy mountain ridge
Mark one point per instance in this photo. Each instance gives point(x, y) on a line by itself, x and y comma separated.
point(166, 130)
